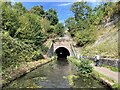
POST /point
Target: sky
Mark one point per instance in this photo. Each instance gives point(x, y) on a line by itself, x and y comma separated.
point(62, 8)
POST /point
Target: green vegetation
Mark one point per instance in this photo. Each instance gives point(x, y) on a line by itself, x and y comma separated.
point(83, 65)
point(79, 26)
point(24, 33)
point(14, 52)
point(74, 60)
point(84, 68)
point(98, 75)
point(59, 29)
point(113, 83)
point(83, 27)
point(70, 79)
point(111, 68)
point(106, 46)
point(87, 26)
point(116, 86)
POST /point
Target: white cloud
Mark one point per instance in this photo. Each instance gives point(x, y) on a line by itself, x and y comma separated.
point(64, 4)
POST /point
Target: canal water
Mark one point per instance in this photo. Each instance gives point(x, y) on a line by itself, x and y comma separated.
point(56, 74)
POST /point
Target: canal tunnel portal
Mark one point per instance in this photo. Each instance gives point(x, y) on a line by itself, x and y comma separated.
point(62, 52)
point(62, 48)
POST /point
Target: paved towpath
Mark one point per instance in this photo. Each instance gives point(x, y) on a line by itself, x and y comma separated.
point(107, 72)
point(111, 74)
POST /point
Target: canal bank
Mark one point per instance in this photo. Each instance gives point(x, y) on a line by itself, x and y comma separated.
point(56, 74)
point(104, 75)
point(12, 74)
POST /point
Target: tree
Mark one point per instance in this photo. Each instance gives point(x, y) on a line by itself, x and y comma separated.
point(30, 30)
point(24, 33)
point(81, 25)
point(20, 9)
point(84, 37)
point(82, 13)
point(44, 22)
point(51, 15)
point(70, 23)
point(105, 11)
point(59, 29)
point(38, 10)
point(81, 10)
point(10, 21)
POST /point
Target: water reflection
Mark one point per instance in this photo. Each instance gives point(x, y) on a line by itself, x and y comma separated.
point(54, 75)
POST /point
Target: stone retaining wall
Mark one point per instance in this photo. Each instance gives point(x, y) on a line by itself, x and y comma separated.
point(109, 61)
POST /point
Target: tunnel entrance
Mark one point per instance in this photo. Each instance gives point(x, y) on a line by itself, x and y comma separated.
point(62, 53)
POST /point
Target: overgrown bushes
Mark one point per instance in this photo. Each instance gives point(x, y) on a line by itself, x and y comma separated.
point(15, 52)
point(37, 55)
point(83, 26)
point(24, 32)
point(83, 65)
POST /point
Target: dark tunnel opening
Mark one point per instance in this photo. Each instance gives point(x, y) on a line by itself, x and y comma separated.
point(62, 53)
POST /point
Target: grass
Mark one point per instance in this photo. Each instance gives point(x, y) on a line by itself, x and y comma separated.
point(99, 75)
point(115, 69)
point(107, 49)
point(74, 60)
point(107, 44)
point(114, 84)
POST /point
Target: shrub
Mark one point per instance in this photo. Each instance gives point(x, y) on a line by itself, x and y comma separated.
point(44, 49)
point(14, 52)
point(84, 37)
point(84, 67)
point(37, 55)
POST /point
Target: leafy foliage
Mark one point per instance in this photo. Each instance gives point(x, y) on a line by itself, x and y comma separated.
point(24, 32)
point(37, 55)
point(71, 24)
point(30, 30)
point(81, 25)
point(84, 37)
point(84, 66)
point(84, 24)
point(38, 10)
point(9, 18)
point(51, 15)
point(14, 51)
point(59, 29)
point(19, 8)
point(81, 10)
